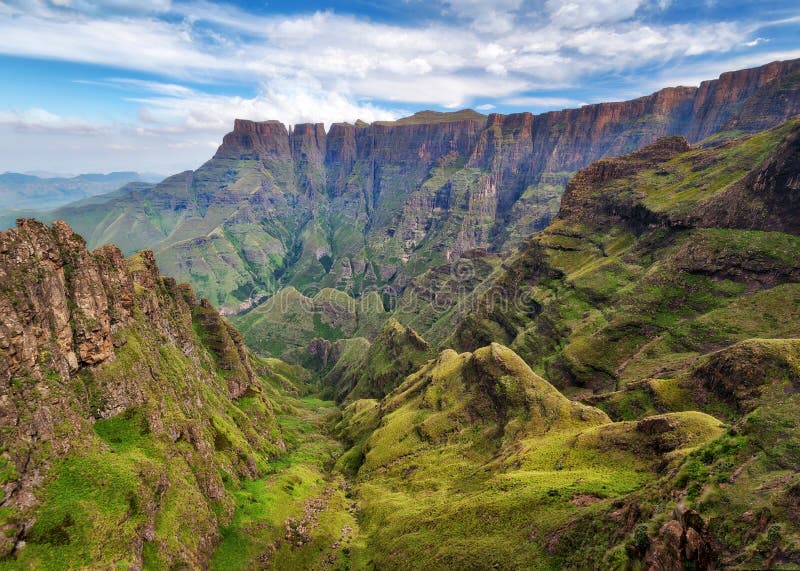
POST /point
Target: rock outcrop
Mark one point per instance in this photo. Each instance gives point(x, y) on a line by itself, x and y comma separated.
point(91, 339)
point(582, 200)
point(58, 298)
point(682, 542)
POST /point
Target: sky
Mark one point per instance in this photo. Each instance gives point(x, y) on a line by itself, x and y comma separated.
point(153, 85)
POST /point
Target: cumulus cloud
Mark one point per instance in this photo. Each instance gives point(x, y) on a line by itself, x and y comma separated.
point(292, 100)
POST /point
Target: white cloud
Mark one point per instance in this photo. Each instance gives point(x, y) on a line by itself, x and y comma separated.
point(632, 44)
point(449, 91)
point(123, 148)
point(497, 69)
point(292, 100)
point(581, 13)
point(434, 63)
point(139, 44)
point(67, 8)
point(496, 17)
point(755, 42)
point(36, 120)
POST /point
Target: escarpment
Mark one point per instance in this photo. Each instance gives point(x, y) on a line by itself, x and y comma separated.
point(619, 390)
point(362, 206)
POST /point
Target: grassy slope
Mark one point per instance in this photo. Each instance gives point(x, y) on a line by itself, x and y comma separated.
point(448, 482)
point(285, 324)
point(609, 308)
point(397, 351)
point(123, 476)
point(593, 303)
point(743, 485)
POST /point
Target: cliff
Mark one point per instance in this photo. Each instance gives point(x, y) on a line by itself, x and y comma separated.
point(364, 206)
point(118, 407)
point(511, 146)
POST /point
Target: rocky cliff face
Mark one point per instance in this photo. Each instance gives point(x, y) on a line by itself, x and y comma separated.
point(524, 145)
point(60, 298)
point(363, 206)
point(734, 98)
point(107, 368)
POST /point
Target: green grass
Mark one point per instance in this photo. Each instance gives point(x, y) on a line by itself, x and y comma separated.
point(91, 496)
point(157, 468)
point(256, 532)
point(446, 483)
point(684, 186)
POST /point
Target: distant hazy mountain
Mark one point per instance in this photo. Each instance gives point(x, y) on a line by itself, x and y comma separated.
point(29, 192)
point(9, 216)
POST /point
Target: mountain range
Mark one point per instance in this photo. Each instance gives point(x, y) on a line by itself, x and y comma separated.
point(29, 192)
point(359, 207)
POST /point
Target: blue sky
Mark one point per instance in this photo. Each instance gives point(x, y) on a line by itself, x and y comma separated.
point(152, 85)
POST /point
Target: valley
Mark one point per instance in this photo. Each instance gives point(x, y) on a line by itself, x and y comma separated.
point(299, 515)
